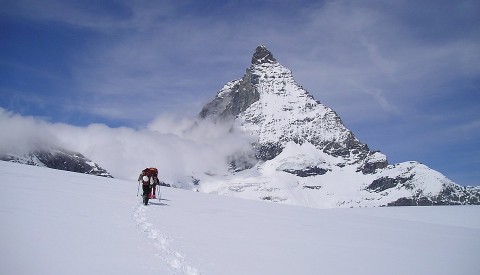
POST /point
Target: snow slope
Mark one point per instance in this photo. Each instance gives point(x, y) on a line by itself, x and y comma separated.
point(58, 222)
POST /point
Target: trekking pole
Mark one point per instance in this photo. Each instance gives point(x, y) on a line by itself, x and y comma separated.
point(138, 189)
point(159, 194)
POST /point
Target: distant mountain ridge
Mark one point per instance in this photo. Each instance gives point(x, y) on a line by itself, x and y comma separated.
point(57, 158)
point(306, 156)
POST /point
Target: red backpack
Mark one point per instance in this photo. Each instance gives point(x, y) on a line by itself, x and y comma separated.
point(149, 173)
point(153, 171)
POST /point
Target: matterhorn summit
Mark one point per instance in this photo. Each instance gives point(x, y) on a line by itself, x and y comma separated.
point(262, 55)
point(304, 154)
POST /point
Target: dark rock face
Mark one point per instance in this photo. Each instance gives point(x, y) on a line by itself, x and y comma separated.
point(450, 195)
point(313, 187)
point(262, 55)
point(60, 160)
point(371, 167)
point(70, 161)
point(461, 195)
point(384, 183)
point(214, 107)
point(372, 162)
point(342, 149)
point(195, 181)
point(308, 172)
point(268, 151)
point(242, 95)
point(11, 158)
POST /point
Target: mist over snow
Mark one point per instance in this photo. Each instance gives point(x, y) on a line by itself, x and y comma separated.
point(178, 147)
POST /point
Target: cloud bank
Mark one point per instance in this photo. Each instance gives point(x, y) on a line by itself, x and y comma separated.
point(23, 134)
point(178, 147)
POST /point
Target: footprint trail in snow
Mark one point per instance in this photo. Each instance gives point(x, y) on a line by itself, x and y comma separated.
point(174, 259)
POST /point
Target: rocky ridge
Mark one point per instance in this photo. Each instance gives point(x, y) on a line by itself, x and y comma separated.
point(57, 158)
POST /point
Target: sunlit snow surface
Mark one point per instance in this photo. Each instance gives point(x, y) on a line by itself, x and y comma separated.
point(57, 222)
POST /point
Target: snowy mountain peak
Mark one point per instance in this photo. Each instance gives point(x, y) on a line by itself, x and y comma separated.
point(262, 55)
point(268, 103)
point(304, 154)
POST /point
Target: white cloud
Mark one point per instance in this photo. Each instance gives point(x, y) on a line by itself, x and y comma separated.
point(179, 148)
point(23, 134)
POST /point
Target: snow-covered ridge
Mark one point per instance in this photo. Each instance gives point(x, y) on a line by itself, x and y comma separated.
point(57, 158)
point(306, 156)
point(286, 112)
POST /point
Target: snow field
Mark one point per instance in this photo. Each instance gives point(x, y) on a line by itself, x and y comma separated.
point(57, 222)
point(174, 259)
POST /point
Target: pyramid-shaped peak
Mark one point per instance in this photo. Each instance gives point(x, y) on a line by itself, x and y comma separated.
point(262, 55)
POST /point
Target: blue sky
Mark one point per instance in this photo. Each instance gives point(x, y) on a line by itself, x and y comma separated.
point(404, 76)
